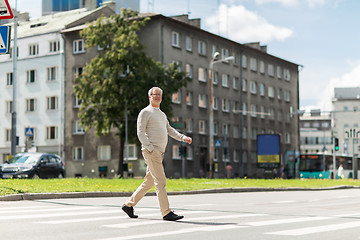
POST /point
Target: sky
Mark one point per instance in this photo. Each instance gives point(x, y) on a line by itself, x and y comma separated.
point(320, 35)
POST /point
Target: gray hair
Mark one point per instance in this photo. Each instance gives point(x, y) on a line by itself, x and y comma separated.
point(153, 88)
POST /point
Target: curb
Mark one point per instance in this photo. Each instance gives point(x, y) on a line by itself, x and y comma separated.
point(41, 196)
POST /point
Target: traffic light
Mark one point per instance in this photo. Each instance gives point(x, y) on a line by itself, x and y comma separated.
point(336, 144)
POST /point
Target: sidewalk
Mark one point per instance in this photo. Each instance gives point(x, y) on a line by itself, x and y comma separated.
point(37, 196)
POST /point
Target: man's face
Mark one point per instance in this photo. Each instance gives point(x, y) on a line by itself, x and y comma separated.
point(155, 97)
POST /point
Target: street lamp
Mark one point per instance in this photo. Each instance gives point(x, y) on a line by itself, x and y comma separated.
point(211, 110)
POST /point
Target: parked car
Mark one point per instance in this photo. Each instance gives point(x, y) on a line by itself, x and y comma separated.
point(33, 165)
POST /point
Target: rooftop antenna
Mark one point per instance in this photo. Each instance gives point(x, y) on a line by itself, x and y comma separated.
point(188, 7)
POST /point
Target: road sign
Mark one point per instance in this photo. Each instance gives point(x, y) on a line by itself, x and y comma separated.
point(217, 143)
point(29, 132)
point(5, 10)
point(4, 39)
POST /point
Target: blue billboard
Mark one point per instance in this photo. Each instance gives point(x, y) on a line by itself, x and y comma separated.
point(268, 150)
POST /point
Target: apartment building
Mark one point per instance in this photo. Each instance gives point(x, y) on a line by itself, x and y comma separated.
point(39, 82)
point(252, 95)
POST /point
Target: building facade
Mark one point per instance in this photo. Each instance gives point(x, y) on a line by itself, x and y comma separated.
point(346, 107)
point(315, 134)
point(252, 95)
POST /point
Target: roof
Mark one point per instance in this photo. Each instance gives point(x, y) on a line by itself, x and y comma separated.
point(347, 93)
point(51, 23)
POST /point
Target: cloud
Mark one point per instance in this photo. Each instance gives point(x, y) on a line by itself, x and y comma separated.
point(292, 3)
point(242, 25)
point(350, 79)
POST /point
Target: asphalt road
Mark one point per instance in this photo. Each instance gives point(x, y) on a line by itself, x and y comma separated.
point(333, 214)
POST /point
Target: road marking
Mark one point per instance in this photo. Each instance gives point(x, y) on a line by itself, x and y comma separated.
point(281, 202)
point(135, 224)
point(288, 220)
point(123, 216)
point(320, 229)
point(47, 210)
point(177, 232)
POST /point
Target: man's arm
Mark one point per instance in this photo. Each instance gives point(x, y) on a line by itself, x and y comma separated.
point(176, 135)
point(141, 131)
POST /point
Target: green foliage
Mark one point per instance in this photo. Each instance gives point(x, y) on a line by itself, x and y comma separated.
point(120, 75)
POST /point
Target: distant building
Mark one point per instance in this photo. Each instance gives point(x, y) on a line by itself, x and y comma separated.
point(315, 134)
point(346, 104)
point(54, 6)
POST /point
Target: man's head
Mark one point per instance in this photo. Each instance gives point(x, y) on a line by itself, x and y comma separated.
point(155, 96)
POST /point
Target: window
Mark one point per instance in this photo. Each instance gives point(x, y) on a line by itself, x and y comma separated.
point(54, 46)
point(202, 48)
point(236, 107)
point(78, 128)
point(31, 76)
point(262, 111)
point(244, 85)
point(253, 64)
point(236, 131)
point(236, 83)
point(225, 80)
point(78, 71)
point(175, 39)
point(271, 70)
point(131, 151)
point(253, 87)
point(271, 113)
point(244, 61)
point(9, 79)
point(51, 73)
point(279, 95)
point(225, 105)
point(189, 70)
point(262, 67)
point(253, 133)
point(278, 71)
point(176, 97)
point(178, 64)
point(287, 138)
point(202, 127)
point(271, 93)
point(33, 49)
point(78, 46)
point(189, 98)
point(52, 103)
point(202, 74)
point(280, 116)
point(226, 128)
point(215, 78)
point(253, 110)
point(7, 135)
point(176, 152)
point(216, 130)
point(287, 96)
point(78, 153)
point(215, 103)
point(189, 125)
point(244, 109)
point(77, 102)
point(8, 106)
point(51, 132)
point(236, 156)
point(287, 74)
point(262, 89)
point(224, 53)
point(188, 43)
point(104, 152)
point(214, 50)
point(202, 101)
point(244, 133)
point(30, 105)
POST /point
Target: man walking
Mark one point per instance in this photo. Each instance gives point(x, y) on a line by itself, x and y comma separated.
point(153, 129)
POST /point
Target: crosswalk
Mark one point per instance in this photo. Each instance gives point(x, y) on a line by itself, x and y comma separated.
point(115, 225)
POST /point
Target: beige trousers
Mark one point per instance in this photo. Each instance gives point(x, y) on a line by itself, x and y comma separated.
point(155, 175)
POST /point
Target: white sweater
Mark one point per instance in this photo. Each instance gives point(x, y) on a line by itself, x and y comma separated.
point(153, 129)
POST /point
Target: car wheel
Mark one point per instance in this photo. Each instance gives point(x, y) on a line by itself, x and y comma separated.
point(35, 176)
point(60, 175)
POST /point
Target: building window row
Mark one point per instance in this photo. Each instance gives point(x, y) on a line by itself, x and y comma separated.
point(51, 133)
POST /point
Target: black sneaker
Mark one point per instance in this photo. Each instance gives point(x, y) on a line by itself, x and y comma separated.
point(171, 216)
point(129, 211)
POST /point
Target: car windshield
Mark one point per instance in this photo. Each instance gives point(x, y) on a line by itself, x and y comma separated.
point(26, 159)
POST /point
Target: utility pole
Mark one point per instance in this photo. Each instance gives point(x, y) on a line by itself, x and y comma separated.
point(13, 113)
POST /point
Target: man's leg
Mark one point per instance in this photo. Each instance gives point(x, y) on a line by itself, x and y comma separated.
point(158, 174)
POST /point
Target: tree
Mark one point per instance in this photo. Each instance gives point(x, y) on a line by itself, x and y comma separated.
point(120, 76)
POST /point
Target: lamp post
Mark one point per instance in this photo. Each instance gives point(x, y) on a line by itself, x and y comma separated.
point(211, 110)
